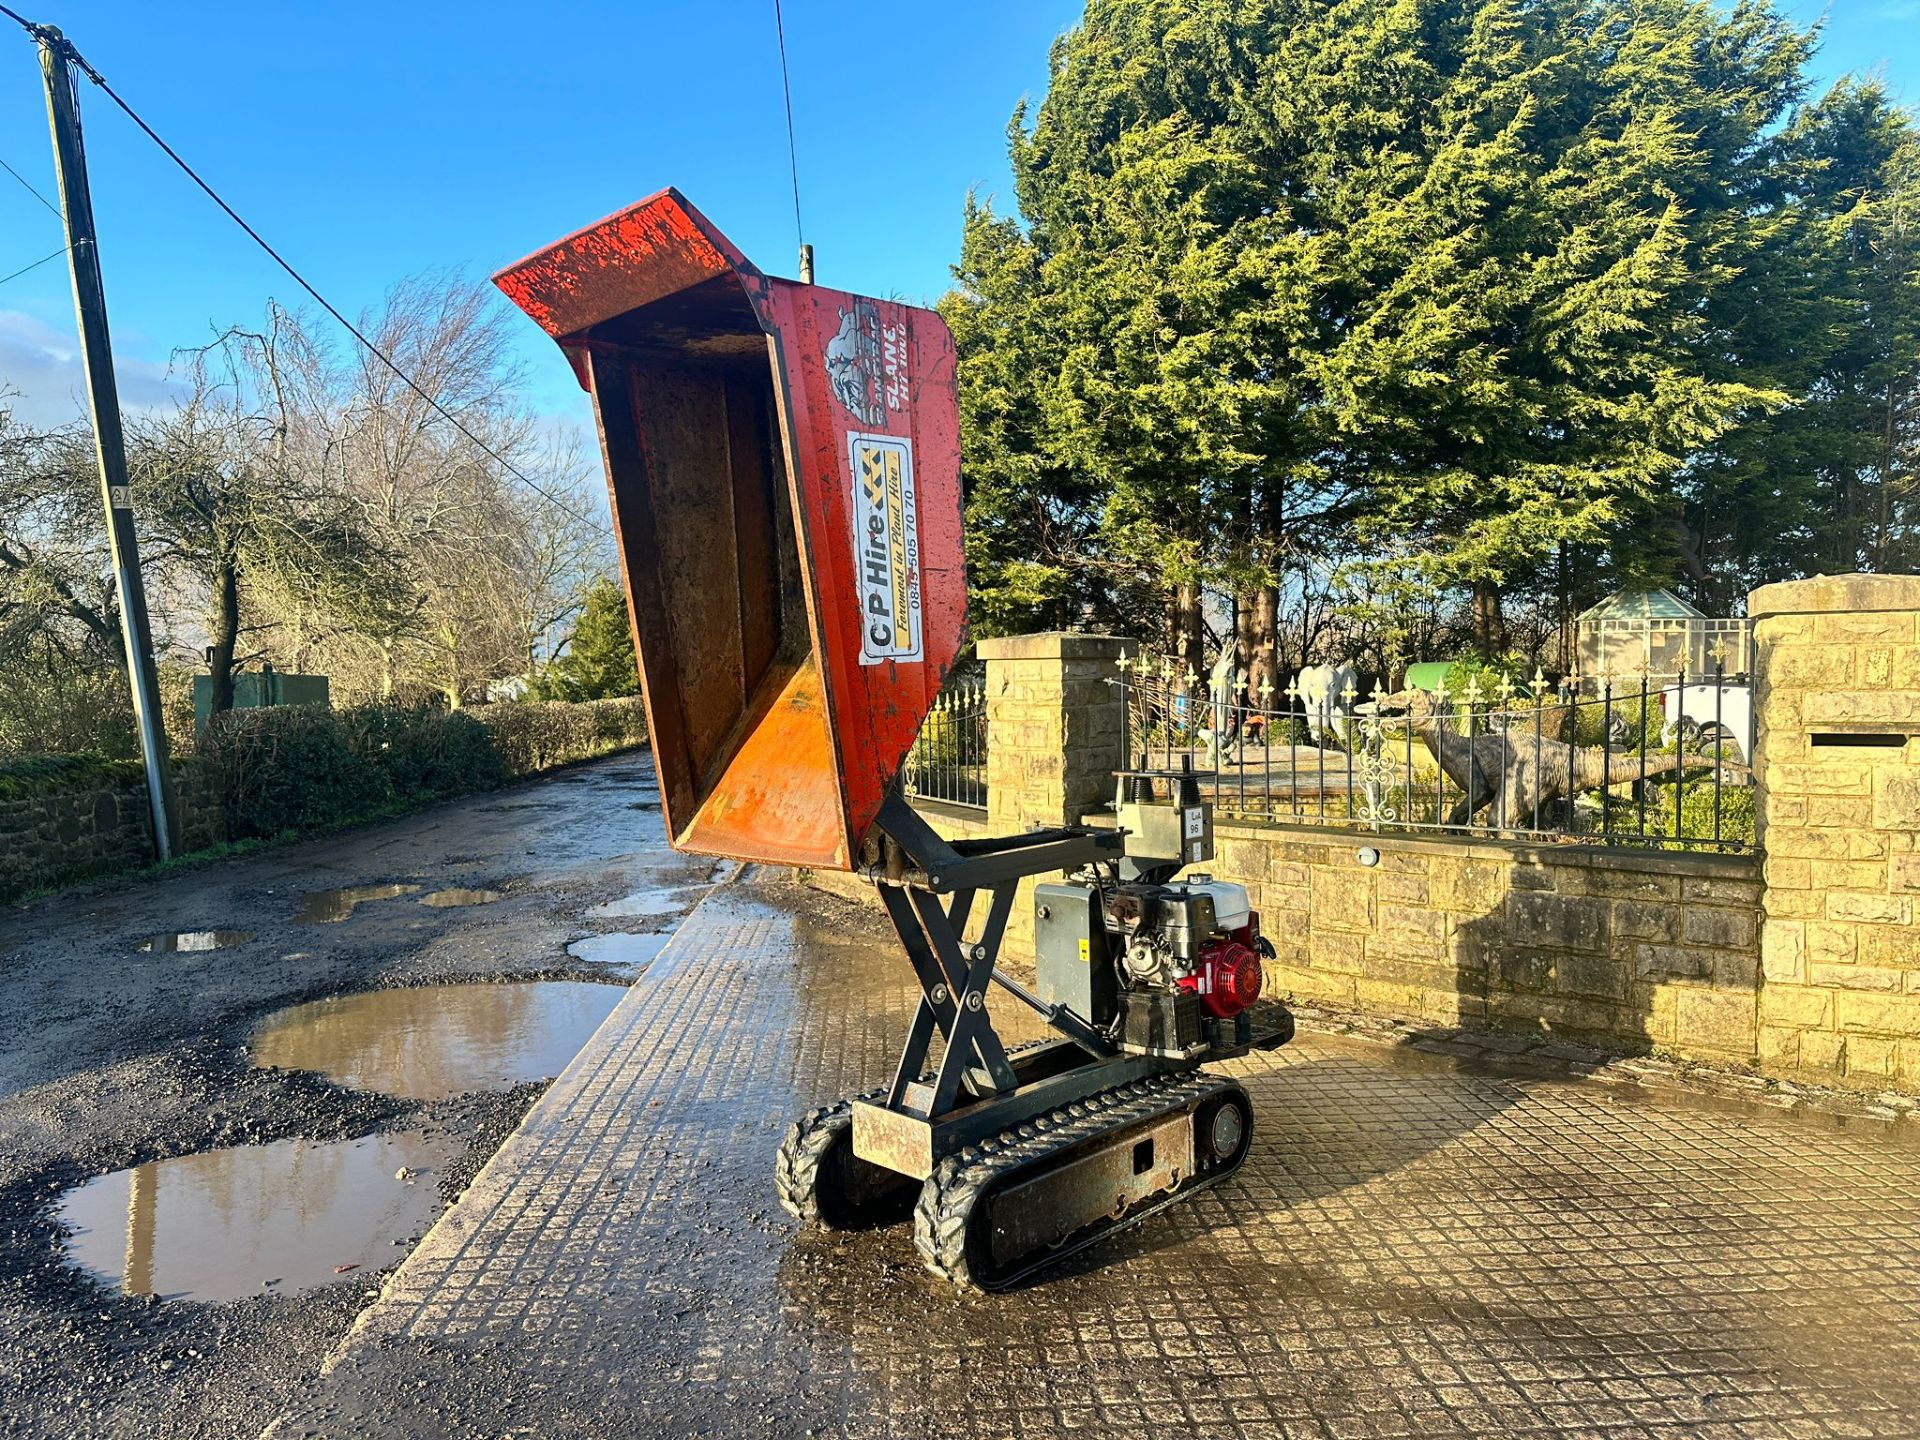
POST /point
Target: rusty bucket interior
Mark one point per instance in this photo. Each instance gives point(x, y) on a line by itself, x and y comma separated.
point(733, 526)
point(706, 525)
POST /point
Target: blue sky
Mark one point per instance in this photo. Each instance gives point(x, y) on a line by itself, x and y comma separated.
point(373, 141)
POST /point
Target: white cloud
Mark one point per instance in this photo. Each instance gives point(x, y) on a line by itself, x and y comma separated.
point(40, 369)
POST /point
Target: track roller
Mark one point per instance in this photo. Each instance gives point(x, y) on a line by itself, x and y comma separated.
point(820, 1180)
point(1020, 1200)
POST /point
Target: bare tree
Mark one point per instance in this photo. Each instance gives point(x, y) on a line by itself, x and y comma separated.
point(232, 522)
point(53, 565)
point(493, 566)
point(557, 552)
point(305, 504)
point(62, 681)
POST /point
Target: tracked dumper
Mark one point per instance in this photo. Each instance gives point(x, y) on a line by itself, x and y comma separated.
point(783, 463)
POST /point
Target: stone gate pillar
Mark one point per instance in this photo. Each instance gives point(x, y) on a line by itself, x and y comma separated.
point(1837, 765)
point(1055, 735)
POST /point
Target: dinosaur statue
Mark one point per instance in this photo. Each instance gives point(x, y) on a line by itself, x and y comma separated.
point(1475, 765)
point(1560, 771)
point(1523, 773)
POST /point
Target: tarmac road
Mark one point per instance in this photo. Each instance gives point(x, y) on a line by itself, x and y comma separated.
point(110, 1058)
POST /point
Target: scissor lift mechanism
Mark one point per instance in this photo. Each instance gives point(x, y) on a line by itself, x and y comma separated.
point(1025, 1155)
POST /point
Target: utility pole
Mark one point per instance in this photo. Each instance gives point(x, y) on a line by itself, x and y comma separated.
point(57, 58)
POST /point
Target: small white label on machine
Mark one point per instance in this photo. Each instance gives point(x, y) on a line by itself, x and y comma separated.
point(886, 548)
point(1196, 818)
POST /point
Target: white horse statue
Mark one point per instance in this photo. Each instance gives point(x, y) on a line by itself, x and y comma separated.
point(1327, 693)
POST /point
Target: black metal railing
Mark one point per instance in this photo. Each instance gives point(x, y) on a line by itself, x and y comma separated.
point(948, 761)
point(1636, 763)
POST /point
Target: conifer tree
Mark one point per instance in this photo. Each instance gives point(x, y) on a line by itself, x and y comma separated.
point(599, 661)
point(1491, 291)
point(1829, 311)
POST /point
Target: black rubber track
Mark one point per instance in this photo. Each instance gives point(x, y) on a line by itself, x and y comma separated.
point(949, 1201)
point(817, 1177)
point(820, 1181)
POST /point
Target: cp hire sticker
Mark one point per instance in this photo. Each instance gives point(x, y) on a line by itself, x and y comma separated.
point(886, 548)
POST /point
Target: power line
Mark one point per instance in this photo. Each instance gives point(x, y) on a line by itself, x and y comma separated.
point(793, 151)
point(329, 307)
point(34, 266)
point(454, 420)
point(52, 209)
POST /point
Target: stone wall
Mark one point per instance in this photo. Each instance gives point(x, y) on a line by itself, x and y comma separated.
point(1624, 949)
point(1838, 762)
point(1056, 727)
point(1627, 950)
point(74, 826)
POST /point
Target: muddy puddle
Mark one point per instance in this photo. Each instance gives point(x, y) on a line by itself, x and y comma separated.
point(646, 905)
point(627, 953)
point(186, 941)
point(277, 1218)
point(453, 899)
point(326, 907)
point(434, 1041)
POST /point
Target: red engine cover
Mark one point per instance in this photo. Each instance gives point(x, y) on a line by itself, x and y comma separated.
point(1228, 979)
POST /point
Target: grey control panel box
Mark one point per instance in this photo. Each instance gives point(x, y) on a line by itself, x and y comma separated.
point(1073, 966)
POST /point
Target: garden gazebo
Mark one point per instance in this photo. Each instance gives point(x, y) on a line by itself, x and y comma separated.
point(1657, 634)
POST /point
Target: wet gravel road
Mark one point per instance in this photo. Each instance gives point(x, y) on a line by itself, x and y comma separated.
point(113, 1057)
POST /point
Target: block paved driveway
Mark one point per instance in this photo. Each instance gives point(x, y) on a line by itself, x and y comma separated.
point(1418, 1247)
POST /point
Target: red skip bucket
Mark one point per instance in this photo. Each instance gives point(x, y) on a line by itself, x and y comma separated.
point(784, 466)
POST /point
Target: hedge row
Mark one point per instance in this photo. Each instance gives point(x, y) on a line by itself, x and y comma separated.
point(297, 768)
point(533, 737)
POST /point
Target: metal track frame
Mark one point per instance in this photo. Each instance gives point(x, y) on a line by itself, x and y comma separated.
point(949, 1217)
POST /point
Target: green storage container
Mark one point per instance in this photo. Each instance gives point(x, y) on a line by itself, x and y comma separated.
point(254, 689)
point(1428, 675)
point(1431, 676)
